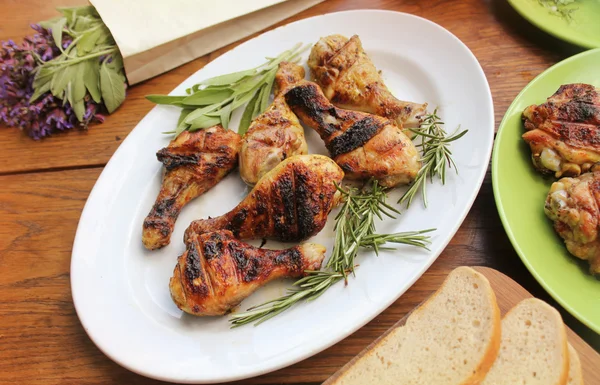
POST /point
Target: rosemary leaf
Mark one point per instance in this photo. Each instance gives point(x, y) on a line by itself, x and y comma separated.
point(354, 229)
point(436, 156)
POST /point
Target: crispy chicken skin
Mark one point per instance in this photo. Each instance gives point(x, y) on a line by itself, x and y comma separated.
point(194, 162)
point(564, 132)
point(350, 80)
point(274, 135)
point(574, 206)
point(217, 271)
point(364, 145)
point(290, 203)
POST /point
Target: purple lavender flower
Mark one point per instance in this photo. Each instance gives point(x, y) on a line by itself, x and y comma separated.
point(46, 115)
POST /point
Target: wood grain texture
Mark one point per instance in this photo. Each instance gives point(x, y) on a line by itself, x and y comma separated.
point(45, 185)
point(42, 341)
point(510, 50)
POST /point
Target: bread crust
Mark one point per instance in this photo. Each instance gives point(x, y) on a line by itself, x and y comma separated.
point(488, 357)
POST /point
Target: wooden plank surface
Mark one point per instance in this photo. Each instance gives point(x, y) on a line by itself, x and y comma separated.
point(45, 185)
point(510, 50)
point(42, 341)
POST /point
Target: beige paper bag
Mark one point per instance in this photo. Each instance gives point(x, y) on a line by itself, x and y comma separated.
point(155, 36)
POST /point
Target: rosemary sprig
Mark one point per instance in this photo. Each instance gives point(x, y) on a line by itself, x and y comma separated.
point(213, 100)
point(436, 155)
point(354, 228)
point(355, 221)
point(307, 288)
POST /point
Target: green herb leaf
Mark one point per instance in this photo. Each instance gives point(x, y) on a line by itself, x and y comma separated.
point(206, 96)
point(39, 91)
point(248, 115)
point(43, 75)
point(203, 122)
point(87, 41)
point(77, 82)
point(265, 92)
point(57, 31)
point(436, 155)
point(202, 111)
point(112, 88)
point(231, 78)
point(225, 115)
point(354, 229)
point(91, 79)
point(219, 96)
point(165, 99)
point(83, 23)
point(71, 13)
point(79, 109)
point(68, 98)
point(61, 78)
point(181, 124)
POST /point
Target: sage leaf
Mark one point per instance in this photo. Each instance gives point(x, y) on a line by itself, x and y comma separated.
point(82, 23)
point(222, 80)
point(184, 113)
point(39, 91)
point(68, 96)
point(79, 109)
point(225, 115)
point(207, 96)
point(245, 97)
point(77, 82)
point(112, 88)
point(181, 124)
point(248, 84)
point(57, 31)
point(247, 115)
point(203, 122)
point(43, 75)
point(71, 13)
point(165, 99)
point(87, 41)
point(202, 111)
point(91, 79)
point(61, 78)
point(257, 105)
point(266, 91)
point(105, 36)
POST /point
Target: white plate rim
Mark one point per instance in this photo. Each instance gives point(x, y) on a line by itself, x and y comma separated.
point(86, 216)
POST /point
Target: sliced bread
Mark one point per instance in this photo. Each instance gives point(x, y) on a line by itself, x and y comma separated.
point(533, 349)
point(575, 372)
point(452, 338)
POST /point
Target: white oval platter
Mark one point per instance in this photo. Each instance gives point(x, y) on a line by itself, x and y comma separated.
point(120, 290)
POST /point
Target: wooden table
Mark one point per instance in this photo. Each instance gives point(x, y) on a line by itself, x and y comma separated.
point(45, 185)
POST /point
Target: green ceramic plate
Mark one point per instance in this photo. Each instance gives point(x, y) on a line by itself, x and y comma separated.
point(581, 27)
point(520, 192)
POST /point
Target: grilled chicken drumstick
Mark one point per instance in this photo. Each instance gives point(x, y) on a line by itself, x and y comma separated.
point(216, 272)
point(564, 132)
point(350, 80)
point(194, 162)
point(290, 203)
point(574, 206)
point(274, 135)
point(364, 145)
